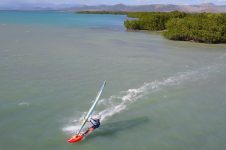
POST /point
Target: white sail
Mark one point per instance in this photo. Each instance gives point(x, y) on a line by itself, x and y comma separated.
point(92, 108)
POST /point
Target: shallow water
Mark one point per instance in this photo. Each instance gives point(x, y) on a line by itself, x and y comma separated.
point(160, 94)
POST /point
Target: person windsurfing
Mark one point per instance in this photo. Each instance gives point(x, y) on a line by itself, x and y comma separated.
point(94, 124)
point(93, 119)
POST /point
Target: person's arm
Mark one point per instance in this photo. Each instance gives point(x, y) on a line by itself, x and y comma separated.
point(88, 120)
point(93, 122)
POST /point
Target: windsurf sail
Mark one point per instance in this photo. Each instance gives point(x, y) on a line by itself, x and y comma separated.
point(92, 108)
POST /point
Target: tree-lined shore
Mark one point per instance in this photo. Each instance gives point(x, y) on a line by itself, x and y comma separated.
point(197, 27)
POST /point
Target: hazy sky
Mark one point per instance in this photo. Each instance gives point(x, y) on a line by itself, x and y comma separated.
point(94, 2)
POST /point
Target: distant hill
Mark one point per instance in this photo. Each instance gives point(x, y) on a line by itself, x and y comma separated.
point(207, 7)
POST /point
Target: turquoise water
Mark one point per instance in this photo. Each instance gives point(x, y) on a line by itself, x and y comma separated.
point(160, 94)
point(62, 19)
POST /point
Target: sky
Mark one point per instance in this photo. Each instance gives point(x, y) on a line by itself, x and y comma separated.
point(108, 2)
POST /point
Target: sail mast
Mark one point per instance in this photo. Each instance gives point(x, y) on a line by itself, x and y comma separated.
point(92, 108)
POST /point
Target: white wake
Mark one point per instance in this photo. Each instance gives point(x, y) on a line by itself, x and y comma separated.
point(117, 103)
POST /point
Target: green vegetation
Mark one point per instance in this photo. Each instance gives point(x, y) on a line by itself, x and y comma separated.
point(153, 21)
point(197, 27)
point(204, 27)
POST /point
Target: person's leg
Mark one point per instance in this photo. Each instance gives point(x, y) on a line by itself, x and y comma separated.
point(88, 131)
point(91, 129)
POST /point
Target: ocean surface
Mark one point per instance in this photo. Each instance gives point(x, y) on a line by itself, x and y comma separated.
point(160, 94)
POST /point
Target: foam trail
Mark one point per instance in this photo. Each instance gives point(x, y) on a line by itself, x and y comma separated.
point(117, 103)
point(75, 127)
point(23, 104)
point(133, 95)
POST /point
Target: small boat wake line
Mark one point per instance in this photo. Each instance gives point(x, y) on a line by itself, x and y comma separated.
point(117, 103)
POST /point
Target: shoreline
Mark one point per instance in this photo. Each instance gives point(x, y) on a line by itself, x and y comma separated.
point(175, 25)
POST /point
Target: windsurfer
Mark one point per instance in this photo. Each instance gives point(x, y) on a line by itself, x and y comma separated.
point(95, 123)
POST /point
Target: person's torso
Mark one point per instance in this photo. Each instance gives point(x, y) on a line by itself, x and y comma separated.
point(95, 122)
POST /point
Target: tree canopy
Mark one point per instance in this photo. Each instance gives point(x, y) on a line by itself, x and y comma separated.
point(198, 27)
